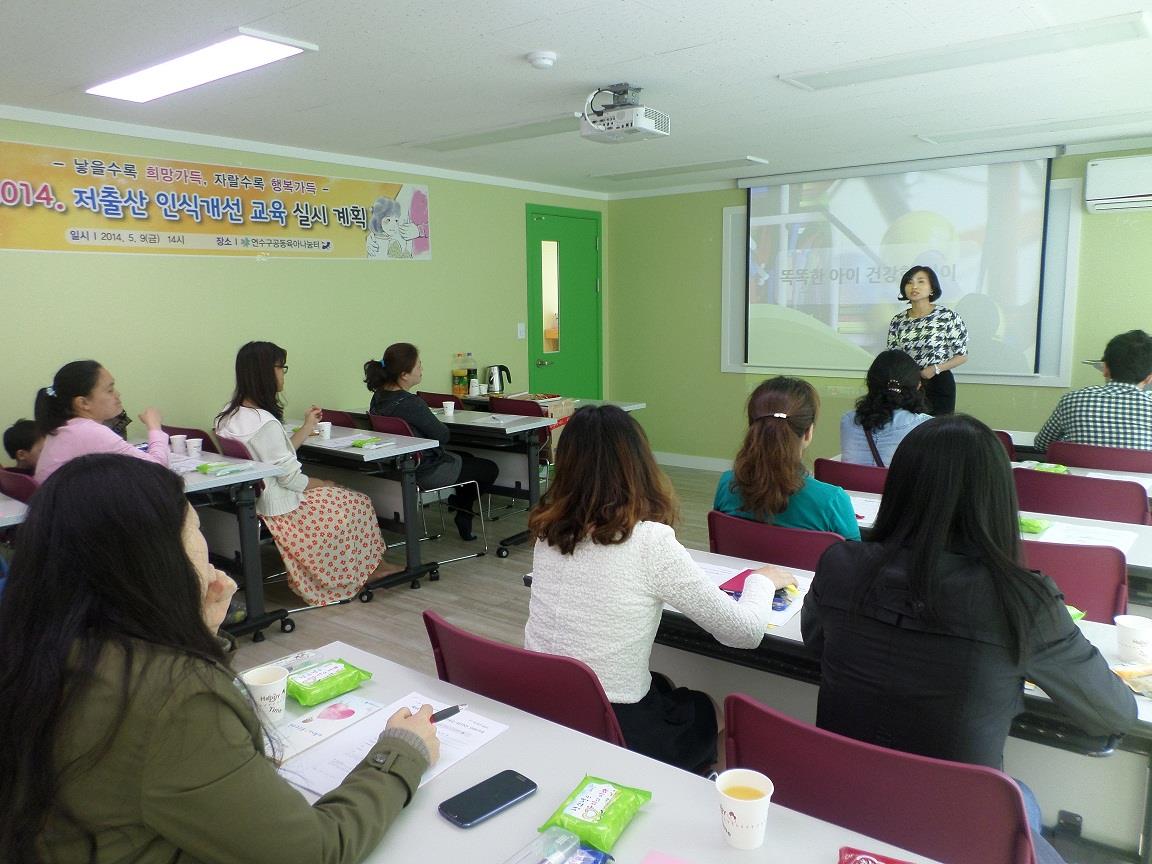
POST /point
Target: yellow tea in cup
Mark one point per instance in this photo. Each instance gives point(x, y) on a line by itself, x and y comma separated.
point(744, 793)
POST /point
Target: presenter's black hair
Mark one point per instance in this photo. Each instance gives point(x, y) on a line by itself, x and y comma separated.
point(932, 278)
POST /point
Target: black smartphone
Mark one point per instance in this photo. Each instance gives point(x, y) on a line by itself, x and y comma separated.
point(487, 798)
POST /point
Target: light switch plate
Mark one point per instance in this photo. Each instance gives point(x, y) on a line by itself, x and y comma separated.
point(521, 333)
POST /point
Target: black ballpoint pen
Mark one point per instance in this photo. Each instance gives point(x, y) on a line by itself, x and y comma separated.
point(451, 711)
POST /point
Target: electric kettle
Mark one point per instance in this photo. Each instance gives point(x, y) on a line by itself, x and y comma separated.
point(497, 376)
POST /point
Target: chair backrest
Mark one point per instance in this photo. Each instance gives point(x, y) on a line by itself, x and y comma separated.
point(341, 418)
point(1084, 497)
point(1006, 440)
point(16, 485)
point(193, 432)
point(1093, 578)
point(1103, 458)
point(234, 448)
point(560, 689)
point(390, 425)
point(788, 547)
point(858, 478)
point(435, 400)
point(523, 407)
point(950, 811)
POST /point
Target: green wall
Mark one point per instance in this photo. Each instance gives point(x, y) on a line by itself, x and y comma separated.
point(168, 326)
point(663, 265)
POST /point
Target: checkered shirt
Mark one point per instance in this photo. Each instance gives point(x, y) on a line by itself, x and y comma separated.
point(938, 336)
point(1107, 415)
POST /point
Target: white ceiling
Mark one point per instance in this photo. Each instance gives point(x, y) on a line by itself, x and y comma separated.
point(389, 76)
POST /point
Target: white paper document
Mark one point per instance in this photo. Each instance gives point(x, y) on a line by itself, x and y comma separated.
point(866, 510)
point(323, 767)
point(1084, 535)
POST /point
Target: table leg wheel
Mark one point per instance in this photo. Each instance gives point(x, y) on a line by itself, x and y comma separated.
point(414, 584)
point(366, 596)
point(287, 625)
point(434, 576)
point(258, 636)
point(502, 552)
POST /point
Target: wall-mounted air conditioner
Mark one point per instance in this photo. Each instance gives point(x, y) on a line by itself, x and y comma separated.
point(1118, 184)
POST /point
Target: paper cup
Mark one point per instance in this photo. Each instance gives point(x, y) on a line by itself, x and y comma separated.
point(1134, 638)
point(449, 409)
point(194, 446)
point(325, 429)
point(744, 799)
point(269, 688)
point(179, 444)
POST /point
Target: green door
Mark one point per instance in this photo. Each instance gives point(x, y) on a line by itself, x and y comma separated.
point(563, 331)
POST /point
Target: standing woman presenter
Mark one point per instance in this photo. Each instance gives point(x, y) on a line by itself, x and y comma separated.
point(934, 336)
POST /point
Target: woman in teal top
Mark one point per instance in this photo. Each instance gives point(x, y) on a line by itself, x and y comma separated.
point(768, 481)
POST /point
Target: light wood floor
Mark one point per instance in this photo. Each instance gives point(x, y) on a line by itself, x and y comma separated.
point(485, 595)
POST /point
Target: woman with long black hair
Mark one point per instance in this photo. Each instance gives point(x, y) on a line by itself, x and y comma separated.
point(927, 633)
point(327, 534)
point(124, 736)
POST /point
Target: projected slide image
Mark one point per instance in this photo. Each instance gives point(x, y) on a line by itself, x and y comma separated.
point(825, 259)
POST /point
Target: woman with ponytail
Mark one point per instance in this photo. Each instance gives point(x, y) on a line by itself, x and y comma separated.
point(768, 481)
point(72, 411)
point(893, 406)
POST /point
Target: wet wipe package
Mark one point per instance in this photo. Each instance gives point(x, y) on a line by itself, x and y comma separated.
point(598, 811)
point(319, 682)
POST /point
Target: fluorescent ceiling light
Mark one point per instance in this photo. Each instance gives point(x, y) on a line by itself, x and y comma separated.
point(1068, 37)
point(742, 162)
point(238, 54)
point(1085, 124)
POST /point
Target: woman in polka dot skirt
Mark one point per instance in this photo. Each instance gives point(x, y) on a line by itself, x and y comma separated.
point(327, 535)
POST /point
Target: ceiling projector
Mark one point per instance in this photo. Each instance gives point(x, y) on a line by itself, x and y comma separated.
point(625, 119)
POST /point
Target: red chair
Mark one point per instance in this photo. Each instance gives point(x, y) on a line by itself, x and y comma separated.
point(398, 426)
point(949, 811)
point(342, 418)
point(1084, 497)
point(758, 541)
point(561, 689)
point(1102, 458)
point(857, 478)
point(16, 485)
point(1093, 578)
point(192, 432)
point(435, 400)
point(1006, 440)
point(522, 408)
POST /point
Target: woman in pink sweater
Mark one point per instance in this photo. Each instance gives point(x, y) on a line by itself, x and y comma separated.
point(72, 413)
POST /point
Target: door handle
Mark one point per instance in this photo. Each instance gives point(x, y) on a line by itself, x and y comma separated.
point(543, 363)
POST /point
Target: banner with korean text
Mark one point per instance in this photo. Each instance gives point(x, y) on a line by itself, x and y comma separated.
point(59, 200)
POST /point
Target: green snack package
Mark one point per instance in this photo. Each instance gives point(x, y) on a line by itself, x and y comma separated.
point(1034, 526)
point(365, 442)
point(325, 680)
point(1051, 468)
point(219, 469)
point(1076, 614)
point(598, 811)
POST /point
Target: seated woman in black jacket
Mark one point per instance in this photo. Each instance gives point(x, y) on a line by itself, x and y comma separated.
point(927, 633)
point(390, 379)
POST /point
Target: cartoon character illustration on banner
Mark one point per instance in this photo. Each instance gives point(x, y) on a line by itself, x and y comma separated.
point(398, 227)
